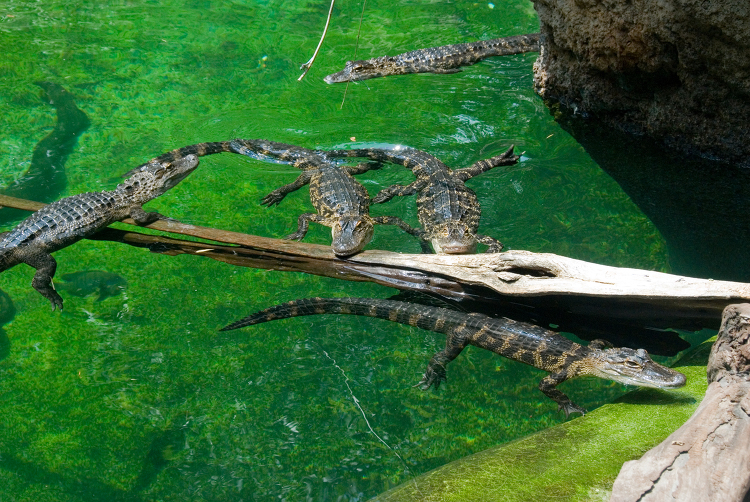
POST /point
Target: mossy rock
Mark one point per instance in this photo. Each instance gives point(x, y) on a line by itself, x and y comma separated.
point(575, 461)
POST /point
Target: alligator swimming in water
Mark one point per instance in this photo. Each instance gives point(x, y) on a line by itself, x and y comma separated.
point(527, 343)
point(444, 59)
point(447, 209)
point(341, 202)
point(69, 220)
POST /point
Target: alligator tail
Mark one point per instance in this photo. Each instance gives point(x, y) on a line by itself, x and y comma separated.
point(426, 317)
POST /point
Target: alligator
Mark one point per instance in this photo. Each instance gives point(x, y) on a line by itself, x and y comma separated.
point(341, 202)
point(71, 219)
point(45, 179)
point(447, 209)
point(444, 59)
point(523, 342)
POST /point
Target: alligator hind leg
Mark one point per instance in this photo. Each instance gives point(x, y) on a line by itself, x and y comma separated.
point(504, 159)
point(278, 195)
point(45, 266)
point(141, 217)
point(364, 167)
point(547, 386)
point(303, 222)
point(392, 191)
point(495, 246)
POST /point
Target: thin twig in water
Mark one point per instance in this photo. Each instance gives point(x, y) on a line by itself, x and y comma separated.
point(310, 62)
point(356, 47)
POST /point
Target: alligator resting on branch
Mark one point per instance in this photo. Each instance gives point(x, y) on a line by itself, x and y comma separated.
point(626, 306)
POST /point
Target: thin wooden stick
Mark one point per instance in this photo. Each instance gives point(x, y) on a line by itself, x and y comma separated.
point(356, 47)
point(310, 61)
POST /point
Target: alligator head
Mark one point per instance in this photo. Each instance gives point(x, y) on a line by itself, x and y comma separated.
point(453, 238)
point(351, 234)
point(362, 70)
point(634, 367)
point(155, 178)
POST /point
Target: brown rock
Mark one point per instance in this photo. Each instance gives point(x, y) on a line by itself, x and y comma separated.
point(677, 70)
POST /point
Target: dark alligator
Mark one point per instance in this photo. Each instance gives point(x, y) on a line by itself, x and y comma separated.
point(444, 59)
point(527, 343)
point(447, 209)
point(45, 179)
point(69, 220)
point(341, 202)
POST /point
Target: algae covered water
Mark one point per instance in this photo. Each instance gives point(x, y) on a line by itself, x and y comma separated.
point(134, 395)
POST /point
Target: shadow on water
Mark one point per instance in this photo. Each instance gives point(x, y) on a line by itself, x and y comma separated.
point(699, 206)
point(45, 180)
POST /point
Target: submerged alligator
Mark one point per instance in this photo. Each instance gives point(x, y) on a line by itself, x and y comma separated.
point(45, 179)
point(527, 343)
point(444, 59)
point(447, 209)
point(69, 220)
point(341, 202)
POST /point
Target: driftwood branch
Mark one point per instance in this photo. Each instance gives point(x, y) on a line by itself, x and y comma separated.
point(545, 288)
point(708, 458)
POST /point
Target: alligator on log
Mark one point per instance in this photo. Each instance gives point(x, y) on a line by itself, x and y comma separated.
point(626, 306)
point(71, 219)
point(447, 209)
point(520, 341)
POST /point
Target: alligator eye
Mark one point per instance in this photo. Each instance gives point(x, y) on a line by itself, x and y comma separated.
point(632, 364)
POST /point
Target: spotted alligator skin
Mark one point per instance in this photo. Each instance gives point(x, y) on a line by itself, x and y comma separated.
point(444, 59)
point(341, 202)
point(71, 219)
point(447, 209)
point(526, 343)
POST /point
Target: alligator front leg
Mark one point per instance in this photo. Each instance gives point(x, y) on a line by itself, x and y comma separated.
point(45, 266)
point(278, 195)
point(141, 217)
point(495, 246)
point(548, 387)
point(504, 159)
point(456, 341)
point(302, 224)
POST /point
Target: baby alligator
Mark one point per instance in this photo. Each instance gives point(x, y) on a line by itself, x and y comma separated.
point(445, 59)
point(341, 202)
point(69, 220)
point(527, 343)
point(447, 209)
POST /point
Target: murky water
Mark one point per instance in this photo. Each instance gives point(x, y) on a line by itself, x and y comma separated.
point(136, 396)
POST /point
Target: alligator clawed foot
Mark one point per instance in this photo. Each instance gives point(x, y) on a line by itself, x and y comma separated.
point(569, 408)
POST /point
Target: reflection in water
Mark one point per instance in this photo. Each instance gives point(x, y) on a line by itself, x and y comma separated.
point(699, 206)
point(45, 180)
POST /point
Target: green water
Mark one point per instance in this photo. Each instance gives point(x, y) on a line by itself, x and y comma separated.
point(138, 397)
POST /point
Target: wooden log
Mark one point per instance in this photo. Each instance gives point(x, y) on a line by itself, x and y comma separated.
point(580, 297)
point(708, 458)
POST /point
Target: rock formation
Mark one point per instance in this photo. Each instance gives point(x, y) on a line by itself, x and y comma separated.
point(676, 70)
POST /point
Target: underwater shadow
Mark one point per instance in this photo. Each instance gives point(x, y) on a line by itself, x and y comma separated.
point(698, 205)
point(45, 179)
point(645, 397)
